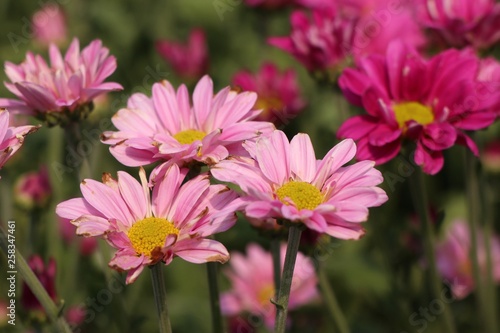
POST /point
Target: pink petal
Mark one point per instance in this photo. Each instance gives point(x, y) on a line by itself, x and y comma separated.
point(133, 195)
point(334, 159)
point(302, 158)
point(273, 157)
point(201, 250)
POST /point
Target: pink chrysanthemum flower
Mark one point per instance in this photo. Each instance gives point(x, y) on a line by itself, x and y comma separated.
point(167, 127)
point(453, 260)
point(11, 138)
point(286, 182)
point(33, 189)
point(278, 93)
point(188, 60)
point(321, 43)
point(463, 22)
point(64, 90)
point(253, 285)
point(49, 25)
point(408, 97)
point(175, 222)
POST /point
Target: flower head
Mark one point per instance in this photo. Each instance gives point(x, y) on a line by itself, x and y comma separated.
point(278, 93)
point(33, 189)
point(286, 182)
point(175, 222)
point(407, 97)
point(63, 91)
point(188, 60)
point(11, 138)
point(47, 276)
point(167, 127)
point(49, 25)
point(452, 258)
point(251, 278)
point(463, 22)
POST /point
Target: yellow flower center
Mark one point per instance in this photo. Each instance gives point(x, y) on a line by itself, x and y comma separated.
point(189, 136)
point(412, 111)
point(150, 233)
point(265, 294)
point(269, 104)
point(303, 195)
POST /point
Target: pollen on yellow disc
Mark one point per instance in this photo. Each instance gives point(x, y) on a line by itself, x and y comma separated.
point(413, 111)
point(189, 136)
point(150, 233)
point(303, 195)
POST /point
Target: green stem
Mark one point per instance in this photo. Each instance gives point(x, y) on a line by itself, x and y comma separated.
point(160, 295)
point(488, 236)
point(213, 287)
point(52, 311)
point(276, 254)
point(74, 137)
point(294, 233)
point(474, 216)
point(419, 196)
point(331, 301)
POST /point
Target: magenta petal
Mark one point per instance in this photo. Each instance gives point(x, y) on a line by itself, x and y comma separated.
point(383, 134)
point(439, 136)
point(430, 161)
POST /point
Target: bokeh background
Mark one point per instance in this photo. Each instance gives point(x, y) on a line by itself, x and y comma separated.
point(379, 280)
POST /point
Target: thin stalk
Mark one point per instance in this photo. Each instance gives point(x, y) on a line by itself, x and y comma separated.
point(52, 311)
point(488, 235)
point(160, 295)
point(213, 287)
point(331, 301)
point(474, 216)
point(294, 233)
point(419, 196)
point(74, 137)
point(276, 254)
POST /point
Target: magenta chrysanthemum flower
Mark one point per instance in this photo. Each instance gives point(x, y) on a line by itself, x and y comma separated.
point(175, 222)
point(408, 97)
point(66, 88)
point(321, 43)
point(252, 284)
point(278, 93)
point(167, 127)
point(463, 22)
point(453, 260)
point(11, 138)
point(286, 182)
point(188, 60)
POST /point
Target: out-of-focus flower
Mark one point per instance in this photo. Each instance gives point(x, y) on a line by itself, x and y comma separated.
point(341, 31)
point(49, 25)
point(270, 4)
point(489, 77)
point(176, 222)
point(47, 276)
point(189, 60)
point(75, 316)
point(286, 182)
point(11, 138)
point(278, 93)
point(463, 22)
point(321, 43)
point(33, 189)
point(87, 245)
point(453, 261)
point(167, 127)
point(432, 102)
point(252, 284)
point(63, 91)
point(491, 156)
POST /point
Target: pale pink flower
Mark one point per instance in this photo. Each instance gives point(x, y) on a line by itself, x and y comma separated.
point(175, 222)
point(167, 127)
point(278, 93)
point(286, 182)
point(252, 283)
point(49, 25)
point(33, 189)
point(463, 22)
point(189, 60)
point(11, 138)
point(453, 261)
point(64, 90)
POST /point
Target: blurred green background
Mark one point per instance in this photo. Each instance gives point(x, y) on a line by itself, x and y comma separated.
point(379, 280)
